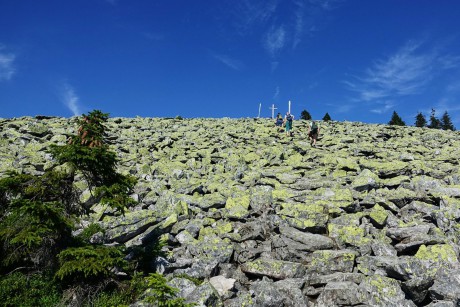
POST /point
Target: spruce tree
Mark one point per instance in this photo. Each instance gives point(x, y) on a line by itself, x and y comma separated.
point(446, 122)
point(435, 123)
point(305, 115)
point(327, 117)
point(420, 120)
point(396, 120)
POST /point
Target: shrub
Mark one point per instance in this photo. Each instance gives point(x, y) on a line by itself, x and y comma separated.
point(18, 289)
point(89, 262)
point(34, 218)
point(161, 294)
point(88, 153)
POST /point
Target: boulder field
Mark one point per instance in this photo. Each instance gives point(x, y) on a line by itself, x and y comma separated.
point(368, 217)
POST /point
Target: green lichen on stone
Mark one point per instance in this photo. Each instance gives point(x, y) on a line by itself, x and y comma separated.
point(281, 194)
point(304, 216)
point(294, 160)
point(365, 180)
point(332, 198)
point(352, 235)
point(363, 269)
point(381, 287)
point(339, 174)
point(437, 253)
point(237, 206)
point(218, 228)
point(329, 160)
point(347, 164)
point(383, 167)
point(169, 221)
point(246, 300)
point(251, 157)
point(395, 181)
point(85, 196)
point(329, 262)
point(379, 215)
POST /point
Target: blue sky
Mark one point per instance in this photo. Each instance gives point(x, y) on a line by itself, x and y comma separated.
point(358, 60)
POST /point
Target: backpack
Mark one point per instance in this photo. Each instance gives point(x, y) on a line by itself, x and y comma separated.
point(289, 118)
point(314, 128)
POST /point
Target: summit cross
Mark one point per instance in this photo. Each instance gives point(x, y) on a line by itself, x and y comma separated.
point(273, 110)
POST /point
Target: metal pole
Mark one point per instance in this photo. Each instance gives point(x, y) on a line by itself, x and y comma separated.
point(260, 105)
point(289, 108)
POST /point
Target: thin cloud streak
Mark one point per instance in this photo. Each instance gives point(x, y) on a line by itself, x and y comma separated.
point(70, 99)
point(299, 23)
point(277, 93)
point(7, 69)
point(229, 62)
point(406, 72)
point(387, 106)
point(327, 4)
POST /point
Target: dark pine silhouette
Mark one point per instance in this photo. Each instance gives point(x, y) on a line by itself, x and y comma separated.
point(420, 120)
point(396, 120)
point(305, 115)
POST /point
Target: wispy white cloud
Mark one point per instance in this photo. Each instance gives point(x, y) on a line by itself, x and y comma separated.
point(7, 68)
point(277, 93)
point(70, 99)
point(251, 13)
point(449, 61)
point(229, 62)
point(327, 4)
point(404, 73)
point(384, 107)
point(288, 21)
point(274, 40)
point(299, 23)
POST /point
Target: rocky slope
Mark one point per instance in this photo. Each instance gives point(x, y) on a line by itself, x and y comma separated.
point(367, 218)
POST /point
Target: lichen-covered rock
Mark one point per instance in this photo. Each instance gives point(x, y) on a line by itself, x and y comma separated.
point(446, 286)
point(205, 295)
point(310, 217)
point(326, 262)
point(277, 269)
point(312, 242)
point(384, 291)
point(342, 293)
point(362, 219)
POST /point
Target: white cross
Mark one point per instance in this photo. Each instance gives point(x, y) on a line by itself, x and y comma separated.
point(273, 110)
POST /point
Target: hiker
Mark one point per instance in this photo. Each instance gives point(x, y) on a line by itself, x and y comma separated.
point(288, 123)
point(279, 121)
point(313, 131)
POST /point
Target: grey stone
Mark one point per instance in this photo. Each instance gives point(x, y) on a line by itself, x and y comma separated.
point(446, 286)
point(343, 293)
point(222, 285)
point(311, 241)
point(276, 269)
point(204, 296)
